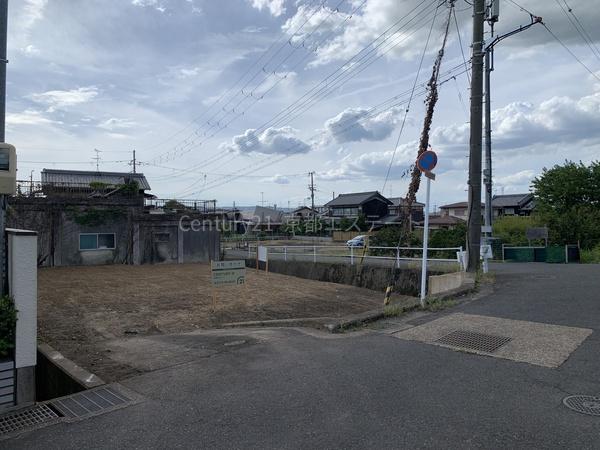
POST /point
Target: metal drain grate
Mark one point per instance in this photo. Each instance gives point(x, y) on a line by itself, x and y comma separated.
point(472, 340)
point(26, 419)
point(584, 404)
point(90, 402)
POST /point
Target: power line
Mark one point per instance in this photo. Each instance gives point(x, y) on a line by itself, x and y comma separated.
point(584, 35)
point(328, 85)
point(387, 174)
point(570, 52)
point(462, 51)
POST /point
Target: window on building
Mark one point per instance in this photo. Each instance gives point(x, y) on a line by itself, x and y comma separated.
point(509, 211)
point(162, 237)
point(96, 241)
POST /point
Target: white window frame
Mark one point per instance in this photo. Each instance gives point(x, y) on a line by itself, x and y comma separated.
point(97, 249)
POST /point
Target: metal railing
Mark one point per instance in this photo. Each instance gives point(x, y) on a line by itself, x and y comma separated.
point(206, 206)
point(56, 188)
point(393, 256)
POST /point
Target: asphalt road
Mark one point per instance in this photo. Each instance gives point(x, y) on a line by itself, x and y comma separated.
point(289, 388)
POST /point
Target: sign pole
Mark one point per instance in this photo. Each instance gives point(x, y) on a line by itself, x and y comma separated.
point(425, 244)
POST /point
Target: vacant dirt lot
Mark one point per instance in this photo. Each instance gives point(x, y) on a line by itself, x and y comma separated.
point(81, 309)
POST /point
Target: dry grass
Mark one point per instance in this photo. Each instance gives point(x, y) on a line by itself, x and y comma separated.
point(80, 307)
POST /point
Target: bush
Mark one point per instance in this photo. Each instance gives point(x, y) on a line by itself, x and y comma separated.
point(591, 256)
point(8, 320)
point(511, 229)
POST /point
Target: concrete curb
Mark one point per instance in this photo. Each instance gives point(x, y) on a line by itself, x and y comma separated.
point(320, 322)
point(355, 320)
point(77, 374)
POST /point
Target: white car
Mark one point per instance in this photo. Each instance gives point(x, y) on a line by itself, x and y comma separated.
point(357, 241)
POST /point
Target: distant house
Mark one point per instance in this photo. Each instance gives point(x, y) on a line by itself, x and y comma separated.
point(513, 205)
point(372, 205)
point(90, 218)
point(264, 219)
point(303, 212)
point(439, 222)
point(399, 205)
point(459, 210)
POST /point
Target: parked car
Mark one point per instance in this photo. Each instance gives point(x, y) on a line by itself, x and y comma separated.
point(357, 241)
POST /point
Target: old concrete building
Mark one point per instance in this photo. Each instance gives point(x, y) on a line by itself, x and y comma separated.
point(90, 218)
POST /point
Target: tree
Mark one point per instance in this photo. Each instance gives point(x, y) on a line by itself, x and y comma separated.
point(512, 229)
point(567, 199)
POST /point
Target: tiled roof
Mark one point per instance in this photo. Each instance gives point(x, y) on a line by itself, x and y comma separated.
point(502, 201)
point(77, 178)
point(357, 198)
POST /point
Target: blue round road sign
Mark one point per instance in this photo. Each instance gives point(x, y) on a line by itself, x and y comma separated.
point(427, 161)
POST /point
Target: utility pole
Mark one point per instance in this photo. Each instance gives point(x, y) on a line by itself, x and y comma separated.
point(3, 198)
point(476, 122)
point(262, 199)
point(311, 186)
point(97, 159)
point(134, 162)
point(489, 67)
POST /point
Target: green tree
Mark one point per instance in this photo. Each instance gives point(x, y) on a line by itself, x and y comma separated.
point(568, 200)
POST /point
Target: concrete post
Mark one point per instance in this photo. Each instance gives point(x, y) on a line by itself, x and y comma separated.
point(22, 278)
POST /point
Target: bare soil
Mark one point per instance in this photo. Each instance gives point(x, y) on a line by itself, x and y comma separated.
point(83, 308)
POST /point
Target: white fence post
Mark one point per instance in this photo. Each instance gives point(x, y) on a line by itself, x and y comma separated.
point(314, 254)
point(285, 253)
point(398, 258)
point(351, 256)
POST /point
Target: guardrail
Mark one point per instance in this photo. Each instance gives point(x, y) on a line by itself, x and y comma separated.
point(329, 253)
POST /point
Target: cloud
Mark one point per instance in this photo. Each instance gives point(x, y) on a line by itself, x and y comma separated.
point(156, 4)
point(365, 26)
point(275, 7)
point(278, 179)
point(355, 125)
point(282, 141)
point(115, 124)
point(28, 117)
point(63, 99)
point(521, 178)
point(521, 124)
point(373, 164)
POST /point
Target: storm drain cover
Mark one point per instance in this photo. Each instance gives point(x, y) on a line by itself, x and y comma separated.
point(584, 404)
point(27, 418)
point(472, 340)
point(90, 402)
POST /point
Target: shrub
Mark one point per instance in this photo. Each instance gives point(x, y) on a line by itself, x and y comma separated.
point(511, 229)
point(591, 256)
point(8, 320)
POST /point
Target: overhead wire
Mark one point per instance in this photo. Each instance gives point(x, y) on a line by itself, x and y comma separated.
point(330, 84)
point(389, 168)
point(584, 35)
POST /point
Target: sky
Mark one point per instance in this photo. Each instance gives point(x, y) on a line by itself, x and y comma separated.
point(238, 100)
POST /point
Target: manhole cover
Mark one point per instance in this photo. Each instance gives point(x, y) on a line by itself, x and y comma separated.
point(86, 403)
point(472, 340)
point(584, 404)
point(26, 419)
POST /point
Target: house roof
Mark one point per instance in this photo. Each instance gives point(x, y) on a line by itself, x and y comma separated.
point(457, 205)
point(77, 178)
point(401, 201)
point(263, 215)
point(356, 198)
point(503, 201)
point(444, 220)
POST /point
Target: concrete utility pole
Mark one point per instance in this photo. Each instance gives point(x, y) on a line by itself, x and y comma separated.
point(489, 67)
point(3, 198)
point(476, 122)
point(134, 162)
point(312, 193)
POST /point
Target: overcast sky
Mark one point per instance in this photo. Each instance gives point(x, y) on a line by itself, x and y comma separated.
point(233, 98)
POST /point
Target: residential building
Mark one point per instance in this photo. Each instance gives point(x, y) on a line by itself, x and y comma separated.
point(459, 209)
point(372, 205)
point(513, 205)
point(439, 222)
point(399, 206)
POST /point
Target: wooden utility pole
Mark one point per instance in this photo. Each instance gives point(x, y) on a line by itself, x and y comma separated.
point(476, 123)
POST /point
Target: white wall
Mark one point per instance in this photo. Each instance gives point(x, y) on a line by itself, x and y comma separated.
point(22, 278)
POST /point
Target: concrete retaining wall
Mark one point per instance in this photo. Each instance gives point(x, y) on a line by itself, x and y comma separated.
point(405, 281)
point(441, 284)
point(57, 376)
